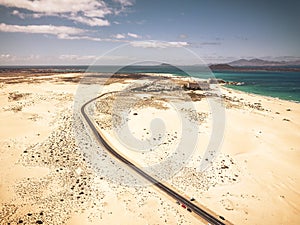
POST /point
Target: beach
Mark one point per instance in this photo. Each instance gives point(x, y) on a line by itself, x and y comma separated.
point(54, 172)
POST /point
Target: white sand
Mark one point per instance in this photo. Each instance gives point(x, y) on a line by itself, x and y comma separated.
point(254, 180)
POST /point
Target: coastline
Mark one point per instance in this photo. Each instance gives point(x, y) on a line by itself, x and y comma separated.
point(284, 85)
point(227, 75)
point(259, 95)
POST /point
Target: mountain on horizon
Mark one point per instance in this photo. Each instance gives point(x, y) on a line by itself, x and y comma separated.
point(260, 62)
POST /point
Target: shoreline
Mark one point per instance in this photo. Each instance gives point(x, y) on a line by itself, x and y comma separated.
point(260, 95)
point(221, 85)
point(40, 70)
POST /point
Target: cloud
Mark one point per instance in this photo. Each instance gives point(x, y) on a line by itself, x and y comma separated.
point(125, 2)
point(281, 58)
point(133, 35)
point(17, 13)
point(5, 56)
point(77, 57)
point(89, 38)
point(202, 44)
point(89, 58)
point(213, 58)
point(89, 12)
point(183, 36)
point(61, 32)
point(58, 6)
point(8, 59)
point(157, 44)
point(122, 36)
point(90, 21)
point(27, 15)
point(210, 43)
point(73, 33)
point(64, 59)
point(41, 29)
point(69, 37)
point(141, 22)
point(119, 36)
point(98, 13)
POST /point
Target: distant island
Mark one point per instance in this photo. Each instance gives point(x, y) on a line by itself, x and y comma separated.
point(252, 65)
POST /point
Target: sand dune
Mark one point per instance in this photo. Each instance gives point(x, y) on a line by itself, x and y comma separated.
point(52, 175)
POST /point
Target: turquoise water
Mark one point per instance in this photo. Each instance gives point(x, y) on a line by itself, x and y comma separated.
point(283, 85)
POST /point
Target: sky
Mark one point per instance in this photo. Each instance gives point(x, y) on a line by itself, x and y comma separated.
point(77, 32)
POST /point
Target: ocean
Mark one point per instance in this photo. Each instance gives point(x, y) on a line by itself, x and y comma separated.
point(283, 85)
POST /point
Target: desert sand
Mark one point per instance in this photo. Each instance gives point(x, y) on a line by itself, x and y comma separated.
point(54, 172)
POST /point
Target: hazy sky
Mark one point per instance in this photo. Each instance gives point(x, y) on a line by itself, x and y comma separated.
point(78, 31)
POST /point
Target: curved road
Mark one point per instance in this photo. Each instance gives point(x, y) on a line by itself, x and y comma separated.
point(200, 212)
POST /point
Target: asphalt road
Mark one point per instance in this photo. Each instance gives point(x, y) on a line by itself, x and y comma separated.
point(195, 209)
